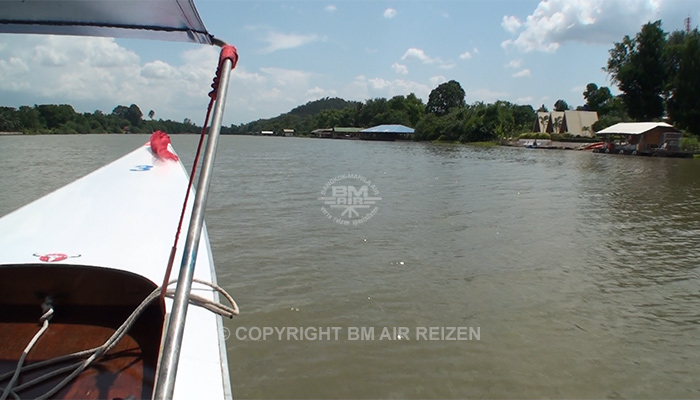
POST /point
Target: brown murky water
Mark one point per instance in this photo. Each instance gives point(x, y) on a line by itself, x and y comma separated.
point(575, 275)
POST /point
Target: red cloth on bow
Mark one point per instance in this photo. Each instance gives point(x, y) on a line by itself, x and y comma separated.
point(159, 144)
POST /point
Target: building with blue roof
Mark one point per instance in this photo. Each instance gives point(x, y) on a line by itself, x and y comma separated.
point(387, 132)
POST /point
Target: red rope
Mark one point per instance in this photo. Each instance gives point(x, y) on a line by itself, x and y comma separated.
point(227, 52)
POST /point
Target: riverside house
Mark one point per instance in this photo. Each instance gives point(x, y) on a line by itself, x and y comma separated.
point(642, 138)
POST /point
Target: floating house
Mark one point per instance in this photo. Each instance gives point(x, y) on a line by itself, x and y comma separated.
point(577, 123)
point(642, 138)
point(387, 133)
point(337, 133)
point(340, 132)
point(324, 133)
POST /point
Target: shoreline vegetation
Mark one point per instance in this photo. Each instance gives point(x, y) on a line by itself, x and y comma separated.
point(688, 144)
point(654, 71)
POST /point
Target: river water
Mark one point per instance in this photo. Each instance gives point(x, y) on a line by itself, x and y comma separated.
point(563, 274)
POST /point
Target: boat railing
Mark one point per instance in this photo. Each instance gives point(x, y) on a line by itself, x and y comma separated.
point(172, 339)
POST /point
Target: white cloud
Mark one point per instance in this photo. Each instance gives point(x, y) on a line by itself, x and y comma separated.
point(578, 89)
point(378, 83)
point(511, 24)
point(389, 13)
point(437, 80)
point(48, 56)
point(287, 78)
point(270, 91)
point(522, 73)
point(281, 41)
point(466, 55)
point(242, 76)
point(414, 53)
point(485, 95)
point(357, 89)
point(101, 75)
point(399, 68)
point(555, 22)
point(159, 70)
point(42, 63)
point(514, 64)
point(14, 71)
point(331, 8)
point(418, 54)
point(317, 93)
point(363, 88)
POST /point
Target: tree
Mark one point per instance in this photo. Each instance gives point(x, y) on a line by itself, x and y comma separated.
point(636, 66)
point(558, 122)
point(404, 110)
point(596, 97)
point(120, 111)
point(414, 108)
point(134, 115)
point(366, 113)
point(561, 105)
point(29, 118)
point(8, 119)
point(56, 115)
point(523, 117)
point(542, 109)
point(445, 97)
point(684, 86)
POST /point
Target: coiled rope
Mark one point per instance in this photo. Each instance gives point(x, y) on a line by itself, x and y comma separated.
point(97, 352)
point(44, 319)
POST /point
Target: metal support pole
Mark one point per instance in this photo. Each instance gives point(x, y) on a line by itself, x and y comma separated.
point(167, 369)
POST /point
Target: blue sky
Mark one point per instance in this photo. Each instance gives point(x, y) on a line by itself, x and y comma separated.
point(292, 52)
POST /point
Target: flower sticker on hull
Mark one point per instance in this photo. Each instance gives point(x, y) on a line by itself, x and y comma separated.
point(54, 257)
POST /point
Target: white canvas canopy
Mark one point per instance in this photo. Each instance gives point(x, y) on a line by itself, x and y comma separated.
point(175, 20)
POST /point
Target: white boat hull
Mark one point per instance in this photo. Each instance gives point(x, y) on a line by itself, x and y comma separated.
point(123, 217)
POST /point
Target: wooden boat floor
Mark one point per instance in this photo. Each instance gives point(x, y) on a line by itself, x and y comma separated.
point(127, 371)
point(82, 320)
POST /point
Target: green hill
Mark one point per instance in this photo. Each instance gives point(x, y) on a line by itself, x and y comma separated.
point(302, 119)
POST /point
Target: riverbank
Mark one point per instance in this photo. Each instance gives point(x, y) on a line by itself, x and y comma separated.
point(547, 144)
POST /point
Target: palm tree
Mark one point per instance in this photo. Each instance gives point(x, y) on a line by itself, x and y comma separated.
point(558, 121)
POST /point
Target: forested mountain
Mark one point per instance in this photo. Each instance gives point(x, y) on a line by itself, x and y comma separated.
point(301, 119)
point(315, 107)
